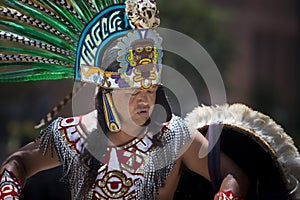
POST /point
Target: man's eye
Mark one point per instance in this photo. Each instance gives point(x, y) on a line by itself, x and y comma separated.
point(151, 91)
point(134, 94)
point(128, 93)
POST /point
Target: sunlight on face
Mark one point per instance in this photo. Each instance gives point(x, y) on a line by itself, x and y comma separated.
point(134, 106)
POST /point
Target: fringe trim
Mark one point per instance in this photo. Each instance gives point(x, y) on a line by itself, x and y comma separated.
point(74, 172)
point(162, 159)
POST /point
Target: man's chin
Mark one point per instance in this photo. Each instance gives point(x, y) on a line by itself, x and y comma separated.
point(143, 122)
point(147, 122)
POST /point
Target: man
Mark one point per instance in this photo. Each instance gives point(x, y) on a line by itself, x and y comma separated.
point(142, 157)
point(126, 148)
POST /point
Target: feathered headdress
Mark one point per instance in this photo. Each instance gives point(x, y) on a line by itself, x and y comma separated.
point(43, 40)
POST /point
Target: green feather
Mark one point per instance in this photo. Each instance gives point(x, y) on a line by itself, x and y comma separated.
point(65, 14)
point(38, 77)
point(13, 40)
point(34, 71)
point(36, 34)
point(15, 66)
point(97, 7)
point(20, 72)
point(41, 16)
point(101, 4)
point(82, 9)
point(39, 53)
point(46, 67)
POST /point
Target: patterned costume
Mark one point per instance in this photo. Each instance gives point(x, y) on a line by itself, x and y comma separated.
point(67, 38)
point(51, 40)
point(134, 170)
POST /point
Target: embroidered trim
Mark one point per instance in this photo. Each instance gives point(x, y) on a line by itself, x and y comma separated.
point(73, 133)
point(74, 171)
point(123, 166)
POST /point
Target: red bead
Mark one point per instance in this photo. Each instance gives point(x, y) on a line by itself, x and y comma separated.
point(70, 120)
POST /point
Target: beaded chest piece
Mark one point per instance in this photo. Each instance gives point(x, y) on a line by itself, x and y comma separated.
point(123, 168)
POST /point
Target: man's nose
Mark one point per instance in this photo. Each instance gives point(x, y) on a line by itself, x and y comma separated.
point(143, 97)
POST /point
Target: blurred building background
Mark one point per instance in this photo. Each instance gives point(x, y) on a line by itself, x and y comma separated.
point(254, 43)
point(264, 69)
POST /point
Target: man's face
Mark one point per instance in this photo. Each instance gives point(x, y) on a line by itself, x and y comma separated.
point(134, 106)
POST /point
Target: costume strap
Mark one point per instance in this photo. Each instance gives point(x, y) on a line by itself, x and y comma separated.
point(10, 186)
point(214, 132)
point(111, 117)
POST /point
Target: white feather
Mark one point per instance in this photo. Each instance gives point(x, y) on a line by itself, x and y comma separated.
point(272, 133)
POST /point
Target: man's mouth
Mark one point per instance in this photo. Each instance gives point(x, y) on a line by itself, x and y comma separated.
point(143, 112)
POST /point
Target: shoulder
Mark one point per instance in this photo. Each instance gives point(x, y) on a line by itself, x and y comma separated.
point(176, 130)
point(69, 122)
point(72, 132)
point(176, 124)
point(75, 130)
point(83, 123)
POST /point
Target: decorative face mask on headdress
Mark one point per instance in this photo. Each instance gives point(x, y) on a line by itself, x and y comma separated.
point(139, 57)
